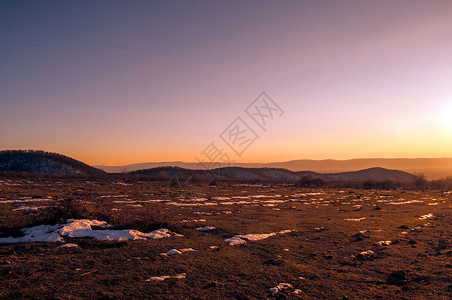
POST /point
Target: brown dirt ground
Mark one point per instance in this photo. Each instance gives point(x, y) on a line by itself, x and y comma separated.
point(321, 257)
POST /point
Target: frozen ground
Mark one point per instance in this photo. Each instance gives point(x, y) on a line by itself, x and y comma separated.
point(231, 242)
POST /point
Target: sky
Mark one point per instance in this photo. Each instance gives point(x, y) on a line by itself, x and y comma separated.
point(120, 82)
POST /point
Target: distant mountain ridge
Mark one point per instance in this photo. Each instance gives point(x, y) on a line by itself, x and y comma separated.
point(36, 161)
point(276, 174)
point(433, 168)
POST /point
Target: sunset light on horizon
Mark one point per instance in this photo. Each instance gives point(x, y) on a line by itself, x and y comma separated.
point(225, 149)
point(116, 82)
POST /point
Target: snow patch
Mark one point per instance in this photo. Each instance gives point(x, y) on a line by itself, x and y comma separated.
point(252, 237)
point(28, 208)
point(426, 217)
point(68, 245)
point(205, 228)
point(25, 200)
point(235, 240)
point(81, 228)
point(405, 202)
point(161, 278)
point(356, 220)
point(280, 287)
point(187, 250)
point(384, 243)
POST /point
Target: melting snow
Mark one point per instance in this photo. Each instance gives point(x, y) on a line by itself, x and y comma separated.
point(367, 253)
point(28, 208)
point(235, 241)
point(221, 198)
point(406, 202)
point(205, 228)
point(81, 228)
point(253, 237)
point(356, 220)
point(26, 200)
point(68, 245)
point(384, 243)
point(188, 221)
point(280, 287)
point(425, 217)
point(161, 278)
point(187, 250)
point(191, 204)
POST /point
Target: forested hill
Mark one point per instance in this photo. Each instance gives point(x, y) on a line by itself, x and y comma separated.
point(277, 174)
point(35, 161)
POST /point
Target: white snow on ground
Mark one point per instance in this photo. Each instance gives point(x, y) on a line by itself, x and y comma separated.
point(68, 245)
point(367, 253)
point(191, 204)
point(266, 196)
point(189, 221)
point(221, 198)
point(195, 199)
point(405, 202)
point(275, 201)
point(205, 228)
point(81, 228)
point(235, 241)
point(187, 250)
point(161, 278)
point(140, 201)
point(41, 233)
point(28, 208)
point(236, 200)
point(26, 200)
point(384, 243)
point(175, 251)
point(156, 200)
point(202, 213)
point(280, 287)
point(253, 237)
point(356, 220)
point(426, 217)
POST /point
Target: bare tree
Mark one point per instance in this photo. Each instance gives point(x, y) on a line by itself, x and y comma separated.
point(420, 182)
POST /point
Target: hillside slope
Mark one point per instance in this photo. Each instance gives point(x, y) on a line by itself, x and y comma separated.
point(276, 174)
point(433, 168)
point(35, 161)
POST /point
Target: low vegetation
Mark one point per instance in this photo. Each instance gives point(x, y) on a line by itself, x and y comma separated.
point(320, 242)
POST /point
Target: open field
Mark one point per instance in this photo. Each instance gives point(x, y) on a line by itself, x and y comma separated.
point(324, 243)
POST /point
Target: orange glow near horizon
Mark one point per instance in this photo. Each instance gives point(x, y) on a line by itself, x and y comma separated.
point(152, 82)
